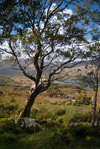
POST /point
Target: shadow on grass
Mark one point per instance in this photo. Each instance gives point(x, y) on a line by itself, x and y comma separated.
point(53, 137)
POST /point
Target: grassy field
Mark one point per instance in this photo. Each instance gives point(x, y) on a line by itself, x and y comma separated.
point(66, 122)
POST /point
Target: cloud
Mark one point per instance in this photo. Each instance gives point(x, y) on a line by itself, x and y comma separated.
point(53, 6)
point(68, 11)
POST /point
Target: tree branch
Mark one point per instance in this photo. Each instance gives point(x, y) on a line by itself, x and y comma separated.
point(20, 66)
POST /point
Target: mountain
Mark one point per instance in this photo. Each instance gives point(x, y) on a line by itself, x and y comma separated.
point(7, 68)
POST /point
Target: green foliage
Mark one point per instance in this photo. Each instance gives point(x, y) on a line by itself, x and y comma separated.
point(62, 116)
point(33, 113)
point(8, 125)
point(62, 120)
point(4, 114)
point(81, 117)
point(80, 130)
point(8, 138)
point(93, 132)
point(44, 114)
point(1, 106)
point(54, 89)
point(82, 99)
point(60, 112)
point(56, 137)
point(8, 109)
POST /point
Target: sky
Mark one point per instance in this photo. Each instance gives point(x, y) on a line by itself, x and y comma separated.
point(69, 10)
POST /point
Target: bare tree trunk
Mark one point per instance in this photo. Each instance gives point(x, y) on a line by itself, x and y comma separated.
point(94, 110)
point(95, 99)
point(98, 118)
point(27, 109)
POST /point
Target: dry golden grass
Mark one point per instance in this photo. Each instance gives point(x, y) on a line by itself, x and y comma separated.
point(74, 72)
point(21, 93)
point(22, 80)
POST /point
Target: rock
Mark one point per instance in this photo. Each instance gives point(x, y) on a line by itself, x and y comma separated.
point(28, 124)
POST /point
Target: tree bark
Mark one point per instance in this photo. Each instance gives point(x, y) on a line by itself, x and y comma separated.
point(95, 105)
point(95, 99)
point(27, 109)
point(98, 119)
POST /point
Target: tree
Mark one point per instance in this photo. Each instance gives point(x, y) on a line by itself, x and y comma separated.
point(45, 36)
point(92, 76)
point(95, 49)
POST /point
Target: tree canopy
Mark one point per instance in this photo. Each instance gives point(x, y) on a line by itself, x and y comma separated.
point(46, 35)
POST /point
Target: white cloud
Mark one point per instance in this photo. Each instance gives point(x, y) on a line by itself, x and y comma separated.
point(53, 6)
point(68, 11)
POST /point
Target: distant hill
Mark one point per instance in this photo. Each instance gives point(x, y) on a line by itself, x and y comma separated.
point(6, 68)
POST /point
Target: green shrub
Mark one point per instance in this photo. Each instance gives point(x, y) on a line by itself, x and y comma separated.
point(93, 131)
point(47, 124)
point(34, 112)
point(44, 114)
point(3, 114)
point(82, 99)
point(54, 90)
point(1, 131)
point(59, 139)
point(9, 107)
point(8, 125)
point(81, 117)
point(8, 138)
point(80, 130)
point(60, 112)
point(1, 106)
point(61, 119)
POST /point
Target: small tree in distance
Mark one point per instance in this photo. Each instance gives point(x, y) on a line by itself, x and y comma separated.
point(45, 36)
point(92, 76)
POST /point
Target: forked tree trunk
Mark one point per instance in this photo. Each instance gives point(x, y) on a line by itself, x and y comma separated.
point(27, 109)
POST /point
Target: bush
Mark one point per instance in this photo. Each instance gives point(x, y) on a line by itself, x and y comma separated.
point(8, 125)
point(81, 117)
point(93, 131)
point(34, 112)
point(3, 114)
point(11, 107)
point(54, 90)
point(80, 130)
point(1, 106)
point(8, 138)
point(8, 109)
point(82, 99)
point(44, 114)
point(60, 112)
point(61, 119)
